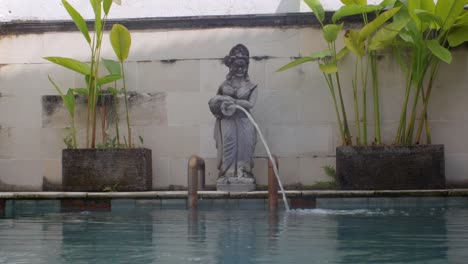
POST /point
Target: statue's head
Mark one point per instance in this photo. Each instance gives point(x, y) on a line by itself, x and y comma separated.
point(238, 62)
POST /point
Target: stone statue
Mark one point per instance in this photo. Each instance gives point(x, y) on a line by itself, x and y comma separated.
point(235, 135)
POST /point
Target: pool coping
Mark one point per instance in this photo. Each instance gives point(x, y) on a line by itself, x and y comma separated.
point(231, 195)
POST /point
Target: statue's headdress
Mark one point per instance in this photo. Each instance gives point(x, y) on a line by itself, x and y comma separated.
point(237, 52)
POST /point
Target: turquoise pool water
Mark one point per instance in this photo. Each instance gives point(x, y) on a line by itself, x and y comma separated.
point(343, 231)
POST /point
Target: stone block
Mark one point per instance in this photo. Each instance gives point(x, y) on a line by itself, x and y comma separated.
point(184, 108)
point(21, 175)
point(211, 171)
point(52, 171)
point(169, 76)
point(260, 170)
point(288, 170)
point(277, 108)
point(146, 109)
point(300, 78)
point(161, 172)
point(26, 109)
point(451, 134)
point(23, 49)
point(314, 139)
point(207, 142)
point(311, 39)
point(32, 79)
point(178, 172)
point(456, 168)
point(20, 143)
point(77, 46)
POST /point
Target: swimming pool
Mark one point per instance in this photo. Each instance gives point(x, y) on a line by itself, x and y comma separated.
point(403, 230)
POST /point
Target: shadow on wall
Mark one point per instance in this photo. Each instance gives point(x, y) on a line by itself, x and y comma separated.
point(286, 6)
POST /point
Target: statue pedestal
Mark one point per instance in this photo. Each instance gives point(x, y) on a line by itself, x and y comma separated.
point(235, 184)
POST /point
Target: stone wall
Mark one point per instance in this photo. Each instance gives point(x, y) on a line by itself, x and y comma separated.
point(175, 73)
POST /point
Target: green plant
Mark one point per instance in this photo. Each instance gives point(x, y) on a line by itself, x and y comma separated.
point(363, 44)
point(327, 185)
point(433, 29)
point(121, 41)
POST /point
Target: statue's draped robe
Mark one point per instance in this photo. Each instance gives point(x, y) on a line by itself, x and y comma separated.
point(235, 135)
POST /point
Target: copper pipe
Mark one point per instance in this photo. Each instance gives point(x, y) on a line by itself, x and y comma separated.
point(196, 180)
point(272, 186)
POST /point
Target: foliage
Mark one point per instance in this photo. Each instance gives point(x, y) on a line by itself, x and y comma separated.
point(357, 43)
point(94, 91)
point(423, 43)
point(421, 34)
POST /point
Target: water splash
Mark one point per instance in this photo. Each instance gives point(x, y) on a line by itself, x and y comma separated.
point(275, 168)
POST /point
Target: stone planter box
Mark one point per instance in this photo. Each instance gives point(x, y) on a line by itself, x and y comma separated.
point(390, 167)
point(97, 169)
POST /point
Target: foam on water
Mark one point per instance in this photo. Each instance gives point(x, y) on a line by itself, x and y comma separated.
point(341, 212)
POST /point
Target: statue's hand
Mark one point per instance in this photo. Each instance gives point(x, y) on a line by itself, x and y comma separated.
point(228, 108)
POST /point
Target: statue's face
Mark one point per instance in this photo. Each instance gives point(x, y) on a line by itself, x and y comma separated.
point(239, 68)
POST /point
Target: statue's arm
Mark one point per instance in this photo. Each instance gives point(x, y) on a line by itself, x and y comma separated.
point(248, 104)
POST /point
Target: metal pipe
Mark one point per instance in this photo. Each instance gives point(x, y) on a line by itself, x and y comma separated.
point(272, 186)
point(2, 207)
point(196, 180)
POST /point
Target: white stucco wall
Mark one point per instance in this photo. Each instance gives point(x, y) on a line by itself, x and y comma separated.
point(53, 9)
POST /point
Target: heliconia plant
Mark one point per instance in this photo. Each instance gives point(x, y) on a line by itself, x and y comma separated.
point(433, 29)
point(363, 45)
point(121, 40)
point(421, 33)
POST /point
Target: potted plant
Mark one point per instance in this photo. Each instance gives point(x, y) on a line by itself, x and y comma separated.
point(421, 30)
point(116, 163)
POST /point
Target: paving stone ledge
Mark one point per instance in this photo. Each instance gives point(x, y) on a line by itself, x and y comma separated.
point(230, 195)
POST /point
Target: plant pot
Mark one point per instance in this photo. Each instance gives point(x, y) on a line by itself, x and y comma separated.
point(107, 169)
point(390, 167)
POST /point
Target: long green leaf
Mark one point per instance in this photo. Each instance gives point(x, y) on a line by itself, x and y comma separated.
point(371, 27)
point(296, 63)
point(82, 91)
point(458, 36)
point(317, 8)
point(386, 3)
point(331, 31)
point(108, 79)
point(78, 20)
point(342, 53)
point(351, 10)
point(67, 102)
point(449, 11)
point(97, 8)
point(462, 20)
point(354, 43)
point(429, 18)
point(354, 2)
point(107, 5)
point(428, 5)
point(439, 51)
point(121, 41)
point(385, 35)
point(329, 68)
point(71, 64)
point(112, 66)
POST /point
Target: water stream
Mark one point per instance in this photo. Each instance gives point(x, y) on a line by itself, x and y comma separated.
point(275, 168)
